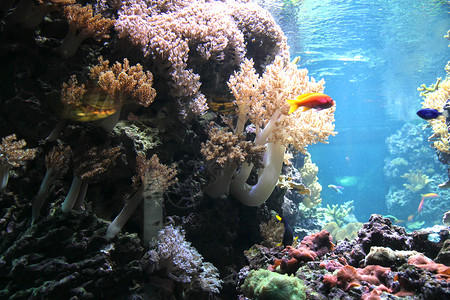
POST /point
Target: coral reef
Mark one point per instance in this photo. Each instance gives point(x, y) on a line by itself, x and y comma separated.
point(113, 203)
point(337, 213)
point(412, 169)
point(64, 256)
point(348, 272)
point(379, 231)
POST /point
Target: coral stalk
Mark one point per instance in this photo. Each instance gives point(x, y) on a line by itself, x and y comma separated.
point(154, 179)
point(4, 175)
point(42, 194)
point(267, 178)
point(125, 214)
point(72, 196)
point(153, 215)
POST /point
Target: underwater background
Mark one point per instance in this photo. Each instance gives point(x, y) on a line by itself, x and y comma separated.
point(224, 149)
point(373, 56)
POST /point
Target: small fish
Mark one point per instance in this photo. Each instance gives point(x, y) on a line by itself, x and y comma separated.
point(310, 100)
point(410, 218)
point(222, 107)
point(429, 195)
point(393, 218)
point(337, 188)
point(419, 209)
point(288, 235)
point(431, 113)
point(295, 60)
point(95, 105)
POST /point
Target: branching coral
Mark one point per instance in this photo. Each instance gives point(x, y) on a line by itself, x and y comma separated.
point(200, 43)
point(122, 81)
point(115, 86)
point(13, 155)
point(90, 164)
point(182, 263)
point(153, 179)
point(309, 178)
point(262, 101)
point(83, 24)
point(337, 213)
point(224, 152)
point(436, 100)
point(57, 164)
point(417, 180)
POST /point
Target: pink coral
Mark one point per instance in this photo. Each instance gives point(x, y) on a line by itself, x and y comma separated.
point(442, 271)
point(349, 276)
point(330, 280)
point(311, 247)
point(199, 43)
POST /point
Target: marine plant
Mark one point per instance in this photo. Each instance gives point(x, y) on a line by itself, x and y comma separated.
point(13, 155)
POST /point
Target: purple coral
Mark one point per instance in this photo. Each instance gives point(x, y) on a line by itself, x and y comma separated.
point(379, 231)
point(182, 262)
point(200, 43)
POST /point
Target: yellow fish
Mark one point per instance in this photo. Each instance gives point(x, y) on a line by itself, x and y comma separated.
point(94, 106)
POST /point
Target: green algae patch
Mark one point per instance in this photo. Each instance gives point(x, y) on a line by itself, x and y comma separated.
point(267, 285)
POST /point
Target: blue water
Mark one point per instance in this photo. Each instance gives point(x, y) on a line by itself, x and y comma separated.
point(373, 55)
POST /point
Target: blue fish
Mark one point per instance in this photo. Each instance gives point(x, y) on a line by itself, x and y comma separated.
point(431, 113)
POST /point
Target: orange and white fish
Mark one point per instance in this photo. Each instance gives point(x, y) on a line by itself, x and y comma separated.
point(429, 195)
point(310, 100)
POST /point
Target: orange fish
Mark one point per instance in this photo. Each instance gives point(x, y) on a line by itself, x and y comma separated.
point(310, 100)
point(410, 218)
point(429, 195)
